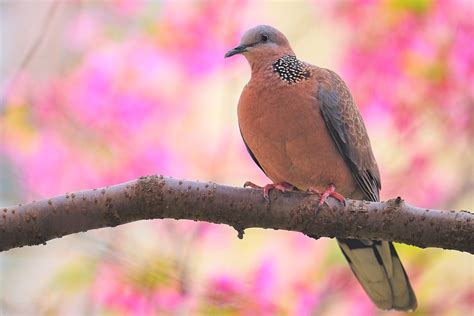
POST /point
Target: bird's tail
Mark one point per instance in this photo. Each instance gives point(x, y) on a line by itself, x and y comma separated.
point(380, 272)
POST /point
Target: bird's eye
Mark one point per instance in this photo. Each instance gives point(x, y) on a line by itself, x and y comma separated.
point(264, 37)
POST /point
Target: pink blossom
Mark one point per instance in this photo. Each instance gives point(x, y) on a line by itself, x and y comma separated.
point(115, 289)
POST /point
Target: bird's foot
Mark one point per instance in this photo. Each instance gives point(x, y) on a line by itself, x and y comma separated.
point(280, 186)
point(330, 191)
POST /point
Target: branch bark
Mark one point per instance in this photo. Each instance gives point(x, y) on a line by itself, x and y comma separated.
point(156, 197)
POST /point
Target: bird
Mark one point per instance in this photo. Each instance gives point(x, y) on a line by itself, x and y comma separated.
point(302, 127)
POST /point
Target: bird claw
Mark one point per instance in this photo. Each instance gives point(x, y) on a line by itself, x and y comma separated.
point(330, 191)
point(252, 185)
point(280, 186)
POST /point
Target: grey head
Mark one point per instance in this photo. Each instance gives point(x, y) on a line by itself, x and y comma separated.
point(261, 43)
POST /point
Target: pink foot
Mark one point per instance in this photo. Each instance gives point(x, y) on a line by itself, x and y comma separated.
point(330, 191)
point(280, 186)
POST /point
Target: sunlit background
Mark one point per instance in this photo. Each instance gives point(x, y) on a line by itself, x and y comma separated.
point(95, 93)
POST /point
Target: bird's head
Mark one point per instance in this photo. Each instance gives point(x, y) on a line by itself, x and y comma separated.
point(262, 42)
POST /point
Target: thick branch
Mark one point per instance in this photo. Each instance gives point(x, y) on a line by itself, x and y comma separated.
point(161, 197)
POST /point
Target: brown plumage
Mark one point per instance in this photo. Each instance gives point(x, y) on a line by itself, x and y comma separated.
point(301, 126)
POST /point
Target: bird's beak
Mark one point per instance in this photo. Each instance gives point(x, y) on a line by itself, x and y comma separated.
point(237, 50)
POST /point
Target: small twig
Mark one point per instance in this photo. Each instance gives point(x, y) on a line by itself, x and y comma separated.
point(43, 30)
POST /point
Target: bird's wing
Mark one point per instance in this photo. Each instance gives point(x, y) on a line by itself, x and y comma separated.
point(375, 263)
point(347, 129)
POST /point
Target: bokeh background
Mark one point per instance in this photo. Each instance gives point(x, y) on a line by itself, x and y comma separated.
point(100, 92)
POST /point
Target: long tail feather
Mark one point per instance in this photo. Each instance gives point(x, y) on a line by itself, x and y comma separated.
point(380, 272)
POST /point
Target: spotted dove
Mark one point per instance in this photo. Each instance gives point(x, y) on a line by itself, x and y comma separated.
point(302, 127)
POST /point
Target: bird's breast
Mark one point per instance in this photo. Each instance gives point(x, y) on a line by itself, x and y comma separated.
point(282, 126)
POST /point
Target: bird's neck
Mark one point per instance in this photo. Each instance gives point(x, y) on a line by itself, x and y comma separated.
point(288, 68)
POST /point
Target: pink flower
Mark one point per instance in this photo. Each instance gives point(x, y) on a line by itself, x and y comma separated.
point(116, 289)
point(255, 297)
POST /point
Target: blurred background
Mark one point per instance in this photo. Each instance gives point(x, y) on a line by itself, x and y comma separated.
point(95, 93)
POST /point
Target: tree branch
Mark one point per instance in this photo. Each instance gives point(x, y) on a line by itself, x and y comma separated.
point(155, 197)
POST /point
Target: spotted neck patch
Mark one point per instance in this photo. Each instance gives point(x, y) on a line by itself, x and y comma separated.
point(291, 70)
